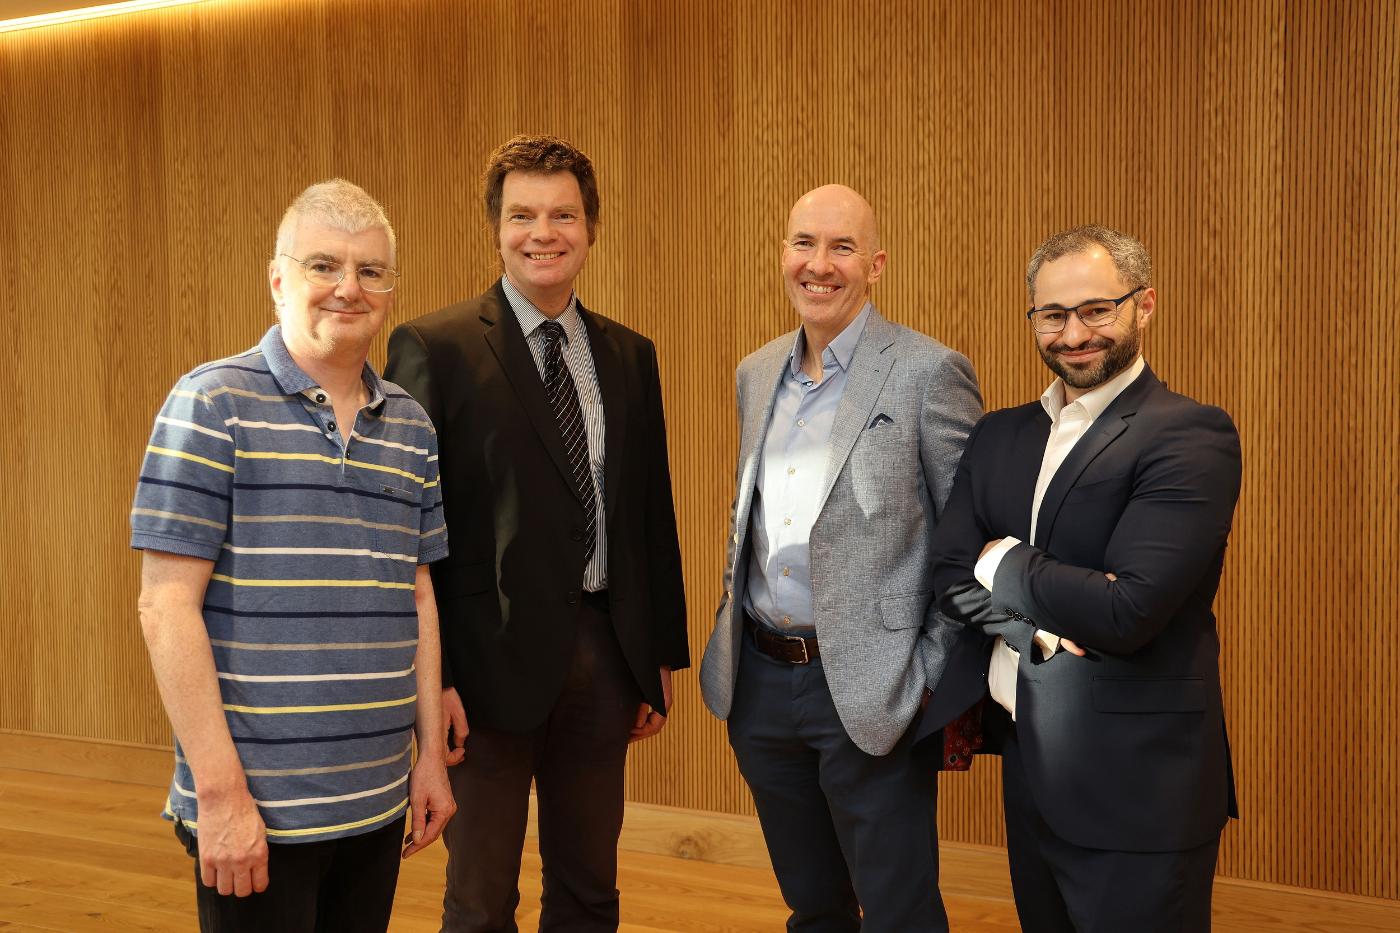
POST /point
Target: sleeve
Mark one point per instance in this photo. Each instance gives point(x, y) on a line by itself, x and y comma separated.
point(184, 494)
point(669, 634)
point(432, 528)
point(409, 367)
point(957, 541)
point(952, 405)
point(1170, 534)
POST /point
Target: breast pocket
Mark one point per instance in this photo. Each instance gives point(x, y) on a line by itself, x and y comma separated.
point(391, 514)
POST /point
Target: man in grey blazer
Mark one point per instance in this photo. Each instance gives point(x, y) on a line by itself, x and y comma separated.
point(827, 644)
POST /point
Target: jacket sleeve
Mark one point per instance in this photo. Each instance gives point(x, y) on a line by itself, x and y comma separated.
point(669, 634)
point(1170, 534)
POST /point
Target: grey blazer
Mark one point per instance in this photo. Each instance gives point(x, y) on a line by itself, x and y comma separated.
point(908, 406)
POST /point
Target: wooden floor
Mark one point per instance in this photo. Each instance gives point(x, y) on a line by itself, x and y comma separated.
point(79, 854)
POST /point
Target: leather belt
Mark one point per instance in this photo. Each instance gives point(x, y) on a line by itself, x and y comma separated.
point(792, 649)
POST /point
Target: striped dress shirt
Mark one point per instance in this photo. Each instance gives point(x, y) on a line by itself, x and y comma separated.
point(310, 607)
point(579, 358)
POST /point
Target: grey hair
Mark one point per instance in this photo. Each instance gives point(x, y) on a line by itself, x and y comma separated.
point(336, 203)
point(1130, 257)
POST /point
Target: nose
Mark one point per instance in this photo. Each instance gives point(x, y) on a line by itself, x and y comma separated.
point(820, 263)
point(1076, 332)
point(542, 229)
point(349, 288)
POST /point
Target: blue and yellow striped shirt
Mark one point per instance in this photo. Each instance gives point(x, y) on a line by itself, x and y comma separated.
point(310, 607)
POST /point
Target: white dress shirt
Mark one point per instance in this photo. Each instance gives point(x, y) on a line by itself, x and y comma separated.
point(1068, 423)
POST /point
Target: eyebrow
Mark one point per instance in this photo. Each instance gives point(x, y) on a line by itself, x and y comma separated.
point(526, 209)
point(844, 238)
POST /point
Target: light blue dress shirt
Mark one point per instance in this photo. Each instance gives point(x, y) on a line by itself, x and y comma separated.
point(791, 473)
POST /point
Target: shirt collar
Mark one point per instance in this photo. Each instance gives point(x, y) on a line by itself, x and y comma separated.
point(1095, 400)
point(840, 350)
point(293, 380)
point(531, 317)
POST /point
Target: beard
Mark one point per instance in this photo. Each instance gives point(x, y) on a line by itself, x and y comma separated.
point(1118, 356)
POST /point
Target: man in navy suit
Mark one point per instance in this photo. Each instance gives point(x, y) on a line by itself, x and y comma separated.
point(1085, 535)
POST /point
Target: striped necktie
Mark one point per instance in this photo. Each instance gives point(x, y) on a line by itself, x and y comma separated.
point(563, 398)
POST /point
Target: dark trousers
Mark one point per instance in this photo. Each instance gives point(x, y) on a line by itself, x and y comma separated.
point(847, 831)
point(576, 759)
point(1063, 888)
point(338, 886)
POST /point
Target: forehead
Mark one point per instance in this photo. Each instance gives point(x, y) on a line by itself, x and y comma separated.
point(1078, 277)
point(314, 237)
point(827, 219)
point(533, 189)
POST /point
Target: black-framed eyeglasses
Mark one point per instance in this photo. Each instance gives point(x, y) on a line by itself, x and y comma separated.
point(372, 278)
point(1095, 313)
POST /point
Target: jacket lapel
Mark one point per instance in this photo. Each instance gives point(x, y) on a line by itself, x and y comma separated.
point(1106, 429)
point(507, 341)
point(870, 367)
point(1015, 498)
point(607, 365)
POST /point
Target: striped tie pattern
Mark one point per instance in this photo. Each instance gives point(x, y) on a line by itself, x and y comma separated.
point(563, 398)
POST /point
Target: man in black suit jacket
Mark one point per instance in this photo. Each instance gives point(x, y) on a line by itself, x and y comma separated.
point(1086, 533)
point(561, 604)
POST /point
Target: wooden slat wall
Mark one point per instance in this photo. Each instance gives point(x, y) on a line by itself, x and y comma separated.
point(1253, 146)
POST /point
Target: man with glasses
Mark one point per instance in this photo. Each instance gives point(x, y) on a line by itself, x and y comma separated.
point(288, 508)
point(1086, 532)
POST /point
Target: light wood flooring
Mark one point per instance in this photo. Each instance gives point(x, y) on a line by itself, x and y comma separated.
point(81, 854)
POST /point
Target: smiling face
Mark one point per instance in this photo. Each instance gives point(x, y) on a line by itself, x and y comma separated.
point(330, 322)
point(831, 257)
point(1087, 357)
point(543, 236)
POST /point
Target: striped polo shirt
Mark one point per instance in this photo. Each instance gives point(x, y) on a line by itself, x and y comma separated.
point(310, 607)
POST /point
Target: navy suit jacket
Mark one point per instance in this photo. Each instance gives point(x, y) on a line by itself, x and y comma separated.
point(1125, 748)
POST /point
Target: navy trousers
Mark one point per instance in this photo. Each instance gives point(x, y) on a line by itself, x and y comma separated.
point(853, 837)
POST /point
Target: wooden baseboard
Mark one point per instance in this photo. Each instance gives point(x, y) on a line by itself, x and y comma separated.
point(966, 870)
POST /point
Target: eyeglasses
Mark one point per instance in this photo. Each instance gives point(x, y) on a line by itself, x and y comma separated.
point(1096, 313)
point(372, 278)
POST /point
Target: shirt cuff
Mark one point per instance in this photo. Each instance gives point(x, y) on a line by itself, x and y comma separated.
point(1048, 643)
point(986, 569)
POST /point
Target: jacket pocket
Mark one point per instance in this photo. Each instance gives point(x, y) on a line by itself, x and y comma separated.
point(908, 611)
point(465, 579)
point(1149, 694)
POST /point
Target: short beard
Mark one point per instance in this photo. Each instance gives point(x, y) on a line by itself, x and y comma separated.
point(1118, 356)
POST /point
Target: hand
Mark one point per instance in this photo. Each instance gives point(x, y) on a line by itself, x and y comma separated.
point(430, 797)
point(454, 723)
point(649, 721)
point(232, 843)
point(987, 547)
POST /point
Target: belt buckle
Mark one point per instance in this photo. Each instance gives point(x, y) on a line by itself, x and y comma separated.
point(806, 655)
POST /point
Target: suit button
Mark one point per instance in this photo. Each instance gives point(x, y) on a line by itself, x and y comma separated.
point(571, 597)
point(576, 534)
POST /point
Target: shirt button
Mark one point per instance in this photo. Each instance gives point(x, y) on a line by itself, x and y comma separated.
point(320, 398)
point(330, 425)
point(786, 620)
point(786, 571)
point(787, 521)
point(801, 422)
point(792, 470)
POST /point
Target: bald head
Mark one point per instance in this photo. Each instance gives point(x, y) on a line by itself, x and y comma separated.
point(831, 257)
point(841, 203)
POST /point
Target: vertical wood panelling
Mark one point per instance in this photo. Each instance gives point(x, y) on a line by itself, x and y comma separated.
point(1253, 146)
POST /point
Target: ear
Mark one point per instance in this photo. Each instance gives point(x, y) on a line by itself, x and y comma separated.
point(1147, 303)
point(274, 283)
point(877, 266)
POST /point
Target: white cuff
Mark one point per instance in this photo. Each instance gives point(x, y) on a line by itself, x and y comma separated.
point(1049, 643)
point(986, 569)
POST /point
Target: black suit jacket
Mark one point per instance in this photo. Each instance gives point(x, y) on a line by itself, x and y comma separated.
point(1126, 747)
point(508, 594)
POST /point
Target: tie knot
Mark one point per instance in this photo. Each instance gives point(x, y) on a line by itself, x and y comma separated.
point(553, 333)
